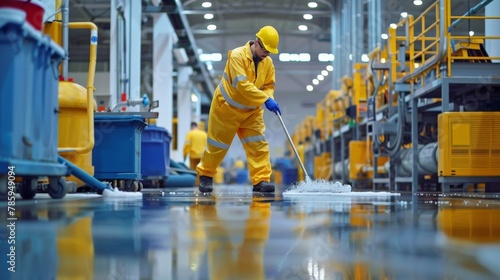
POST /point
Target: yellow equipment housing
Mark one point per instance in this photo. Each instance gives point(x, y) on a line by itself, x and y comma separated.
point(469, 144)
point(73, 125)
point(360, 160)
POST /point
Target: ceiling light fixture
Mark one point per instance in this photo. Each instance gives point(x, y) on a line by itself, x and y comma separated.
point(471, 33)
point(302, 27)
point(404, 14)
point(329, 68)
point(417, 2)
point(309, 88)
point(208, 16)
point(194, 98)
point(211, 27)
point(393, 25)
point(315, 81)
point(308, 16)
point(323, 57)
point(384, 36)
point(206, 4)
point(324, 73)
point(312, 5)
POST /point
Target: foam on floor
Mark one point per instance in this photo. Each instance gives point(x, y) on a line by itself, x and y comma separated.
point(117, 193)
point(323, 187)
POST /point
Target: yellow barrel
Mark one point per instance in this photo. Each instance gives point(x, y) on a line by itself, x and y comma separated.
point(73, 125)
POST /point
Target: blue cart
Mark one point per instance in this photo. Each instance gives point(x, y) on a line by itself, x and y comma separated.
point(117, 151)
point(28, 108)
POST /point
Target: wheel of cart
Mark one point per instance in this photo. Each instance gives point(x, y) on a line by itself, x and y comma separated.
point(154, 181)
point(130, 185)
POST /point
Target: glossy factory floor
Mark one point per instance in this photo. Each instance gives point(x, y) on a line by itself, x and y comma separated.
point(233, 234)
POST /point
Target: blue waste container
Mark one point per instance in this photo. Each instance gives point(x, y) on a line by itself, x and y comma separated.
point(155, 155)
point(29, 97)
point(117, 150)
point(290, 176)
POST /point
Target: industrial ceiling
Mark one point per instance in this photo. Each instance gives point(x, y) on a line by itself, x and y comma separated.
point(237, 22)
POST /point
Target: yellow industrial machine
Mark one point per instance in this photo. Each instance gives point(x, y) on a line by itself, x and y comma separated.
point(469, 144)
point(76, 105)
point(360, 157)
point(75, 126)
point(385, 110)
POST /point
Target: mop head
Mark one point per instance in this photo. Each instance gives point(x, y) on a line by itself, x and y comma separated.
point(322, 187)
point(119, 194)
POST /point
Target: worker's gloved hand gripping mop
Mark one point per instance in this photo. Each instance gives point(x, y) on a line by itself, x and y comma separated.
point(310, 186)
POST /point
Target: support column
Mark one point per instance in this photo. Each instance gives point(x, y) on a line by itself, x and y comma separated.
point(336, 43)
point(184, 108)
point(346, 49)
point(114, 76)
point(133, 24)
point(492, 46)
point(163, 67)
point(125, 52)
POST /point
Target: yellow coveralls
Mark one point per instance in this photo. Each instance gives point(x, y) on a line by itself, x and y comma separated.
point(236, 108)
point(196, 141)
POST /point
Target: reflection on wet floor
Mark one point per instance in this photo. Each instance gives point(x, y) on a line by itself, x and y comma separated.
point(234, 234)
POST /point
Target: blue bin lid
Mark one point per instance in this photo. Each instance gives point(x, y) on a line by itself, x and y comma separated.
point(158, 129)
point(119, 118)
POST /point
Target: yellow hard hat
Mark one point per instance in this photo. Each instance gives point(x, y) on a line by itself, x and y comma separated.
point(270, 38)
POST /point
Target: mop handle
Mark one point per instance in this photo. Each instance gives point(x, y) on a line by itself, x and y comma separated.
point(293, 146)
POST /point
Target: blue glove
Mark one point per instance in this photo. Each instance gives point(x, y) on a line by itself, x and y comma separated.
point(272, 106)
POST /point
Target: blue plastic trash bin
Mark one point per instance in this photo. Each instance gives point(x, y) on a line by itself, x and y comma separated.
point(155, 155)
point(117, 149)
point(29, 97)
point(290, 176)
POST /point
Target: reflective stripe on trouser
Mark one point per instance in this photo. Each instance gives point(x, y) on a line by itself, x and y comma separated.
point(224, 122)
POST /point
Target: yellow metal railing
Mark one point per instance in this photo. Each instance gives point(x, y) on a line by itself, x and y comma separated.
point(423, 47)
point(435, 43)
point(457, 39)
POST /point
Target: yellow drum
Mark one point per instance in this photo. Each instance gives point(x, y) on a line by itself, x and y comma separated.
point(74, 126)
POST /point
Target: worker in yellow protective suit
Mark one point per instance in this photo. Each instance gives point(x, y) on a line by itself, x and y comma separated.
point(248, 83)
point(195, 143)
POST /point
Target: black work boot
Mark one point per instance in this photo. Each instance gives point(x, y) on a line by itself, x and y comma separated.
point(263, 187)
point(206, 184)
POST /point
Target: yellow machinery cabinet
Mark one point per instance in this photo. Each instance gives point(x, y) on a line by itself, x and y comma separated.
point(73, 125)
point(360, 159)
point(469, 144)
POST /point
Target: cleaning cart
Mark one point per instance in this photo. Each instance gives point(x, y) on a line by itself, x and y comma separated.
point(117, 150)
point(28, 108)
